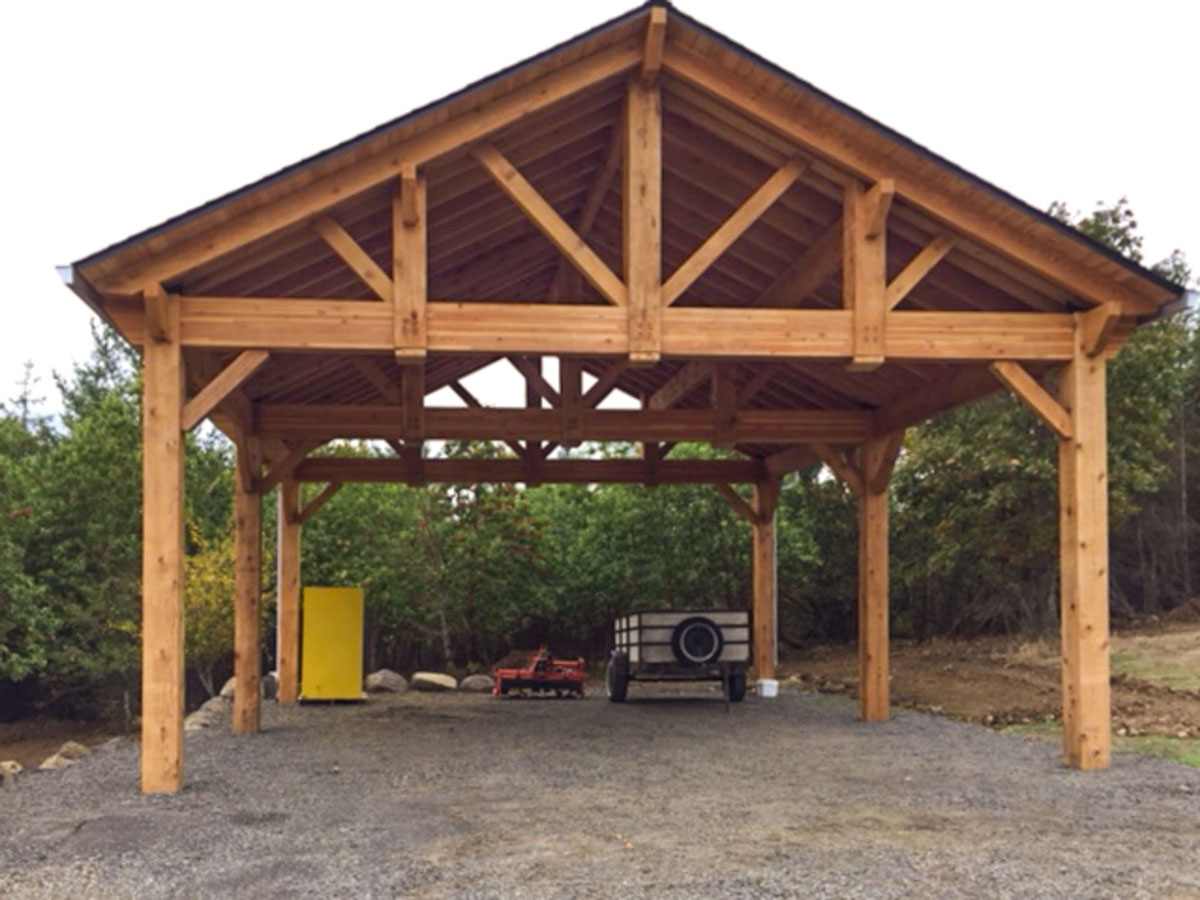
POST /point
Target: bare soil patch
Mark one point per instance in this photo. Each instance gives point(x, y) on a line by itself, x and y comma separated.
point(30, 741)
point(999, 681)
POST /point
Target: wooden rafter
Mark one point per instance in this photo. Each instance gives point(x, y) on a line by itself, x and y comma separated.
point(808, 272)
point(552, 225)
point(387, 388)
point(591, 208)
point(535, 380)
point(604, 385)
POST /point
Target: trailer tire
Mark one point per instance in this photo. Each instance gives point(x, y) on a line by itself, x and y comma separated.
point(737, 687)
point(616, 677)
point(697, 641)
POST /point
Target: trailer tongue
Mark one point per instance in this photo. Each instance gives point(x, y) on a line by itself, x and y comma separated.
point(543, 675)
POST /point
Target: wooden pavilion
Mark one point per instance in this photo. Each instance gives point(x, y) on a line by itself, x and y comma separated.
point(657, 207)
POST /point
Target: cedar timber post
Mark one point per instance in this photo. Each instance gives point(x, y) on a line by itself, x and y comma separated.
point(288, 592)
point(864, 274)
point(247, 575)
point(766, 494)
point(643, 221)
point(1083, 545)
point(873, 578)
point(162, 547)
point(410, 273)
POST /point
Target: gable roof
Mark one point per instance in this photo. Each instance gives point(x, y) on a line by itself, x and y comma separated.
point(702, 43)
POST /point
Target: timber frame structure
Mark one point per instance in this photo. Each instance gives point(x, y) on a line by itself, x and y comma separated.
point(659, 208)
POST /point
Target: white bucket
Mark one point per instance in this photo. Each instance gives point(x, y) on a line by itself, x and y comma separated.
point(767, 687)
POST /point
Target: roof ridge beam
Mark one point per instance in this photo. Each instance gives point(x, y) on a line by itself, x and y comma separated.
point(652, 51)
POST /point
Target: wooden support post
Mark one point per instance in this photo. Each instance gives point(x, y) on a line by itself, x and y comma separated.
point(287, 627)
point(873, 581)
point(247, 603)
point(1083, 548)
point(162, 552)
point(643, 221)
point(409, 269)
point(413, 390)
point(570, 388)
point(764, 610)
point(864, 272)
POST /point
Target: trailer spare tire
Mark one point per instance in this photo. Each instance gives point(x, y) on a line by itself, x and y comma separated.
point(697, 641)
point(616, 676)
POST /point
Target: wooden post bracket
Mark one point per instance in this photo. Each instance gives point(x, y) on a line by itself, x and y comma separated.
point(1033, 396)
point(310, 508)
point(227, 380)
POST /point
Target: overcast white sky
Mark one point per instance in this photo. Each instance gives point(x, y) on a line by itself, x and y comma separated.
point(117, 115)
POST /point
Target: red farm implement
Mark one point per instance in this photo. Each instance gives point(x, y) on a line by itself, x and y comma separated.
point(543, 675)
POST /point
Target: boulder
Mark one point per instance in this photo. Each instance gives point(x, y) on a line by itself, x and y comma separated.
point(57, 761)
point(481, 684)
point(212, 712)
point(385, 681)
point(270, 685)
point(74, 750)
point(227, 690)
point(433, 681)
point(9, 770)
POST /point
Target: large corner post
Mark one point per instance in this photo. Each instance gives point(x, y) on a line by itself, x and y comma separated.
point(873, 581)
point(162, 549)
point(1083, 548)
point(247, 576)
point(765, 579)
point(287, 629)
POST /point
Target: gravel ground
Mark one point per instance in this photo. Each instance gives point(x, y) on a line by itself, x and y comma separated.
point(467, 796)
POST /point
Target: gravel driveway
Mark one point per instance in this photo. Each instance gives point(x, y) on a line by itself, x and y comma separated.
point(667, 796)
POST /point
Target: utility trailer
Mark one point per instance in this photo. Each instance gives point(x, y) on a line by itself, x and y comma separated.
point(680, 645)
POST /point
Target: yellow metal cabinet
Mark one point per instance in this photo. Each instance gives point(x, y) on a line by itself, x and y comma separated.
point(332, 644)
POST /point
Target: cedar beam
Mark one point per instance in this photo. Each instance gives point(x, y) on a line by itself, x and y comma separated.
point(570, 382)
point(316, 423)
point(247, 590)
point(491, 329)
point(412, 385)
point(740, 506)
point(765, 576)
point(873, 693)
point(535, 381)
point(1033, 396)
point(228, 380)
point(1083, 550)
point(280, 469)
point(354, 256)
point(313, 505)
point(561, 471)
point(642, 221)
point(864, 269)
point(822, 258)
point(162, 553)
point(652, 54)
point(731, 229)
point(912, 274)
point(287, 640)
point(839, 466)
point(410, 268)
point(551, 224)
point(1097, 326)
point(687, 379)
point(604, 385)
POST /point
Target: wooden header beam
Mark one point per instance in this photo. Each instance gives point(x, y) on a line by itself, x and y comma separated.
point(562, 471)
point(313, 423)
point(489, 328)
